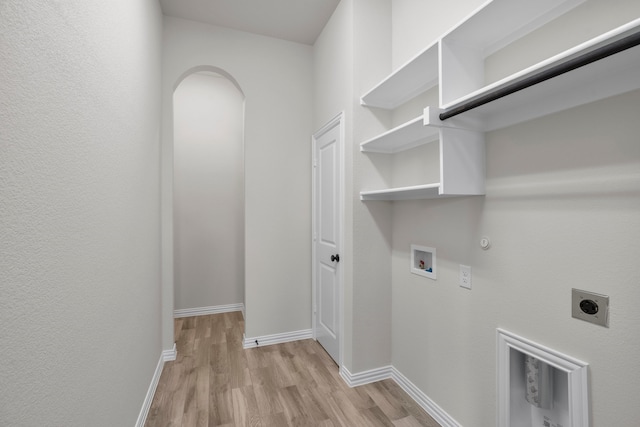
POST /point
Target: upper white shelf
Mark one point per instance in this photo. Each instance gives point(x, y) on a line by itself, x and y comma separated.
point(426, 191)
point(456, 63)
point(462, 168)
point(497, 23)
point(610, 76)
point(414, 133)
point(490, 28)
point(410, 80)
point(414, 192)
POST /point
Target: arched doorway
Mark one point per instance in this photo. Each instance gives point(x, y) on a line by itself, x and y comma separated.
point(208, 192)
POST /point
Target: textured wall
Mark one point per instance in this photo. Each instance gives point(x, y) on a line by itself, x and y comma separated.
point(276, 79)
point(79, 222)
point(208, 192)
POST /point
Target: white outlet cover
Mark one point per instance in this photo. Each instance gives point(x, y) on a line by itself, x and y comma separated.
point(465, 276)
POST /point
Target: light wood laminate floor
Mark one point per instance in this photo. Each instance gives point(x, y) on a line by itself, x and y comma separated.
point(215, 382)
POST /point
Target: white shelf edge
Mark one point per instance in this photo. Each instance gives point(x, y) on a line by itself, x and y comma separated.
point(415, 192)
point(395, 77)
point(582, 48)
point(419, 131)
point(408, 135)
point(401, 100)
point(425, 191)
point(530, 23)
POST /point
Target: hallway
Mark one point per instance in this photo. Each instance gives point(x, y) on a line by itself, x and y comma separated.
point(215, 382)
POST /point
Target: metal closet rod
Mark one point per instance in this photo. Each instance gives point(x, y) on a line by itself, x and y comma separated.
point(602, 52)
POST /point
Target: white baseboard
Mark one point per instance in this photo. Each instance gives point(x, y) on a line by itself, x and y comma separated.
point(276, 338)
point(166, 355)
point(170, 355)
point(436, 412)
point(204, 311)
point(366, 377)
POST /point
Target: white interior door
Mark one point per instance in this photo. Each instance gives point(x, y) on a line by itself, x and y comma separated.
point(327, 151)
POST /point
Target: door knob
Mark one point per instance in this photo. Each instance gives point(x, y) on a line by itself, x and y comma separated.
point(335, 258)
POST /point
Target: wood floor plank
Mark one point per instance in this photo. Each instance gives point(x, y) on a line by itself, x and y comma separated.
point(281, 373)
point(245, 407)
point(352, 414)
point(256, 358)
point(303, 378)
point(391, 407)
point(177, 328)
point(409, 421)
point(218, 358)
point(328, 404)
point(185, 343)
point(267, 400)
point(221, 408)
point(275, 420)
point(357, 396)
point(202, 395)
point(190, 410)
point(214, 382)
point(219, 383)
point(266, 391)
point(409, 404)
point(376, 416)
point(294, 409)
point(218, 331)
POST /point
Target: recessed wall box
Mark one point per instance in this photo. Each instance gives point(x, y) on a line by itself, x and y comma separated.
point(539, 386)
point(590, 307)
point(423, 261)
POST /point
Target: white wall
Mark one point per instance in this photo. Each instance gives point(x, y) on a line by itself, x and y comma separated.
point(333, 89)
point(561, 209)
point(371, 222)
point(351, 54)
point(79, 234)
point(208, 192)
point(418, 23)
point(276, 79)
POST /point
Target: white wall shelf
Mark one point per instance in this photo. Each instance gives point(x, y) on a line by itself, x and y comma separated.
point(456, 62)
point(411, 134)
point(493, 26)
point(461, 169)
point(413, 78)
point(607, 77)
point(426, 191)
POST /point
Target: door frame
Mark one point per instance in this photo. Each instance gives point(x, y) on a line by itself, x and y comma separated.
point(338, 121)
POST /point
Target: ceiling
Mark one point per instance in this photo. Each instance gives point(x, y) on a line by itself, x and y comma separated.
point(299, 21)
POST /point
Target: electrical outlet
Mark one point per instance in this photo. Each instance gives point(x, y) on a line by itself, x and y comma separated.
point(465, 276)
point(590, 307)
